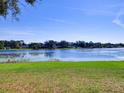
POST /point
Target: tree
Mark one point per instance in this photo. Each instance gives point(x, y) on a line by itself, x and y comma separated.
point(91, 44)
point(36, 46)
point(1, 45)
point(13, 44)
point(64, 44)
point(81, 44)
point(50, 44)
point(12, 6)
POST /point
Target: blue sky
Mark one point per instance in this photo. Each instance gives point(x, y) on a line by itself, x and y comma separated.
point(71, 20)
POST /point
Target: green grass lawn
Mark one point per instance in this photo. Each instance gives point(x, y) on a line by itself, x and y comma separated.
point(62, 77)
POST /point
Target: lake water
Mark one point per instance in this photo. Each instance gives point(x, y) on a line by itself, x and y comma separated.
point(103, 54)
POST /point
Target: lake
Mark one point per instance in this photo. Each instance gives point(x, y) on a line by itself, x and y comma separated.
point(98, 54)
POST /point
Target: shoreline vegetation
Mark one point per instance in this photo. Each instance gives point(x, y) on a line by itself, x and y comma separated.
point(62, 77)
point(51, 44)
point(62, 48)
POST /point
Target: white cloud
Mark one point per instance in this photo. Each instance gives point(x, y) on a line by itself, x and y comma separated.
point(16, 33)
point(58, 20)
point(117, 19)
point(104, 11)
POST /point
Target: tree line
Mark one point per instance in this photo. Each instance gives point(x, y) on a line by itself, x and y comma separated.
point(51, 44)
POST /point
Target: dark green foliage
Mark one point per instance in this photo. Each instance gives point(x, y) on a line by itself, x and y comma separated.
point(30, 1)
point(13, 44)
point(1, 45)
point(64, 44)
point(13, 6)
point(3, 7)
point(81, 44)
point(50, 44)
point(36, 46)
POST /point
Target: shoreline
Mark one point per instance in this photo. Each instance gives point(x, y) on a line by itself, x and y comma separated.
point(64, 62)
point(63, 48)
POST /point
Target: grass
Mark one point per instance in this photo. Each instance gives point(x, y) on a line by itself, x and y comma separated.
point(62, 77)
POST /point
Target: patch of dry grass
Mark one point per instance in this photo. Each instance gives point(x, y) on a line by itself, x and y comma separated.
point(63, 80)
point(58, 83)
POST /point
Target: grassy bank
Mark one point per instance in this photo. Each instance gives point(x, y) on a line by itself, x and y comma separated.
point(62, 77)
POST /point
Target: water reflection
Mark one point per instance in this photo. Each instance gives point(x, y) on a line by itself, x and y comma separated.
point(63, 55)
point(49, 54)
point(12, 55)
point(36, 54)
point(46, 54)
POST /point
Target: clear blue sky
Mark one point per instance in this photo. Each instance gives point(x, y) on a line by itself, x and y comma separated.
point(71, 20)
